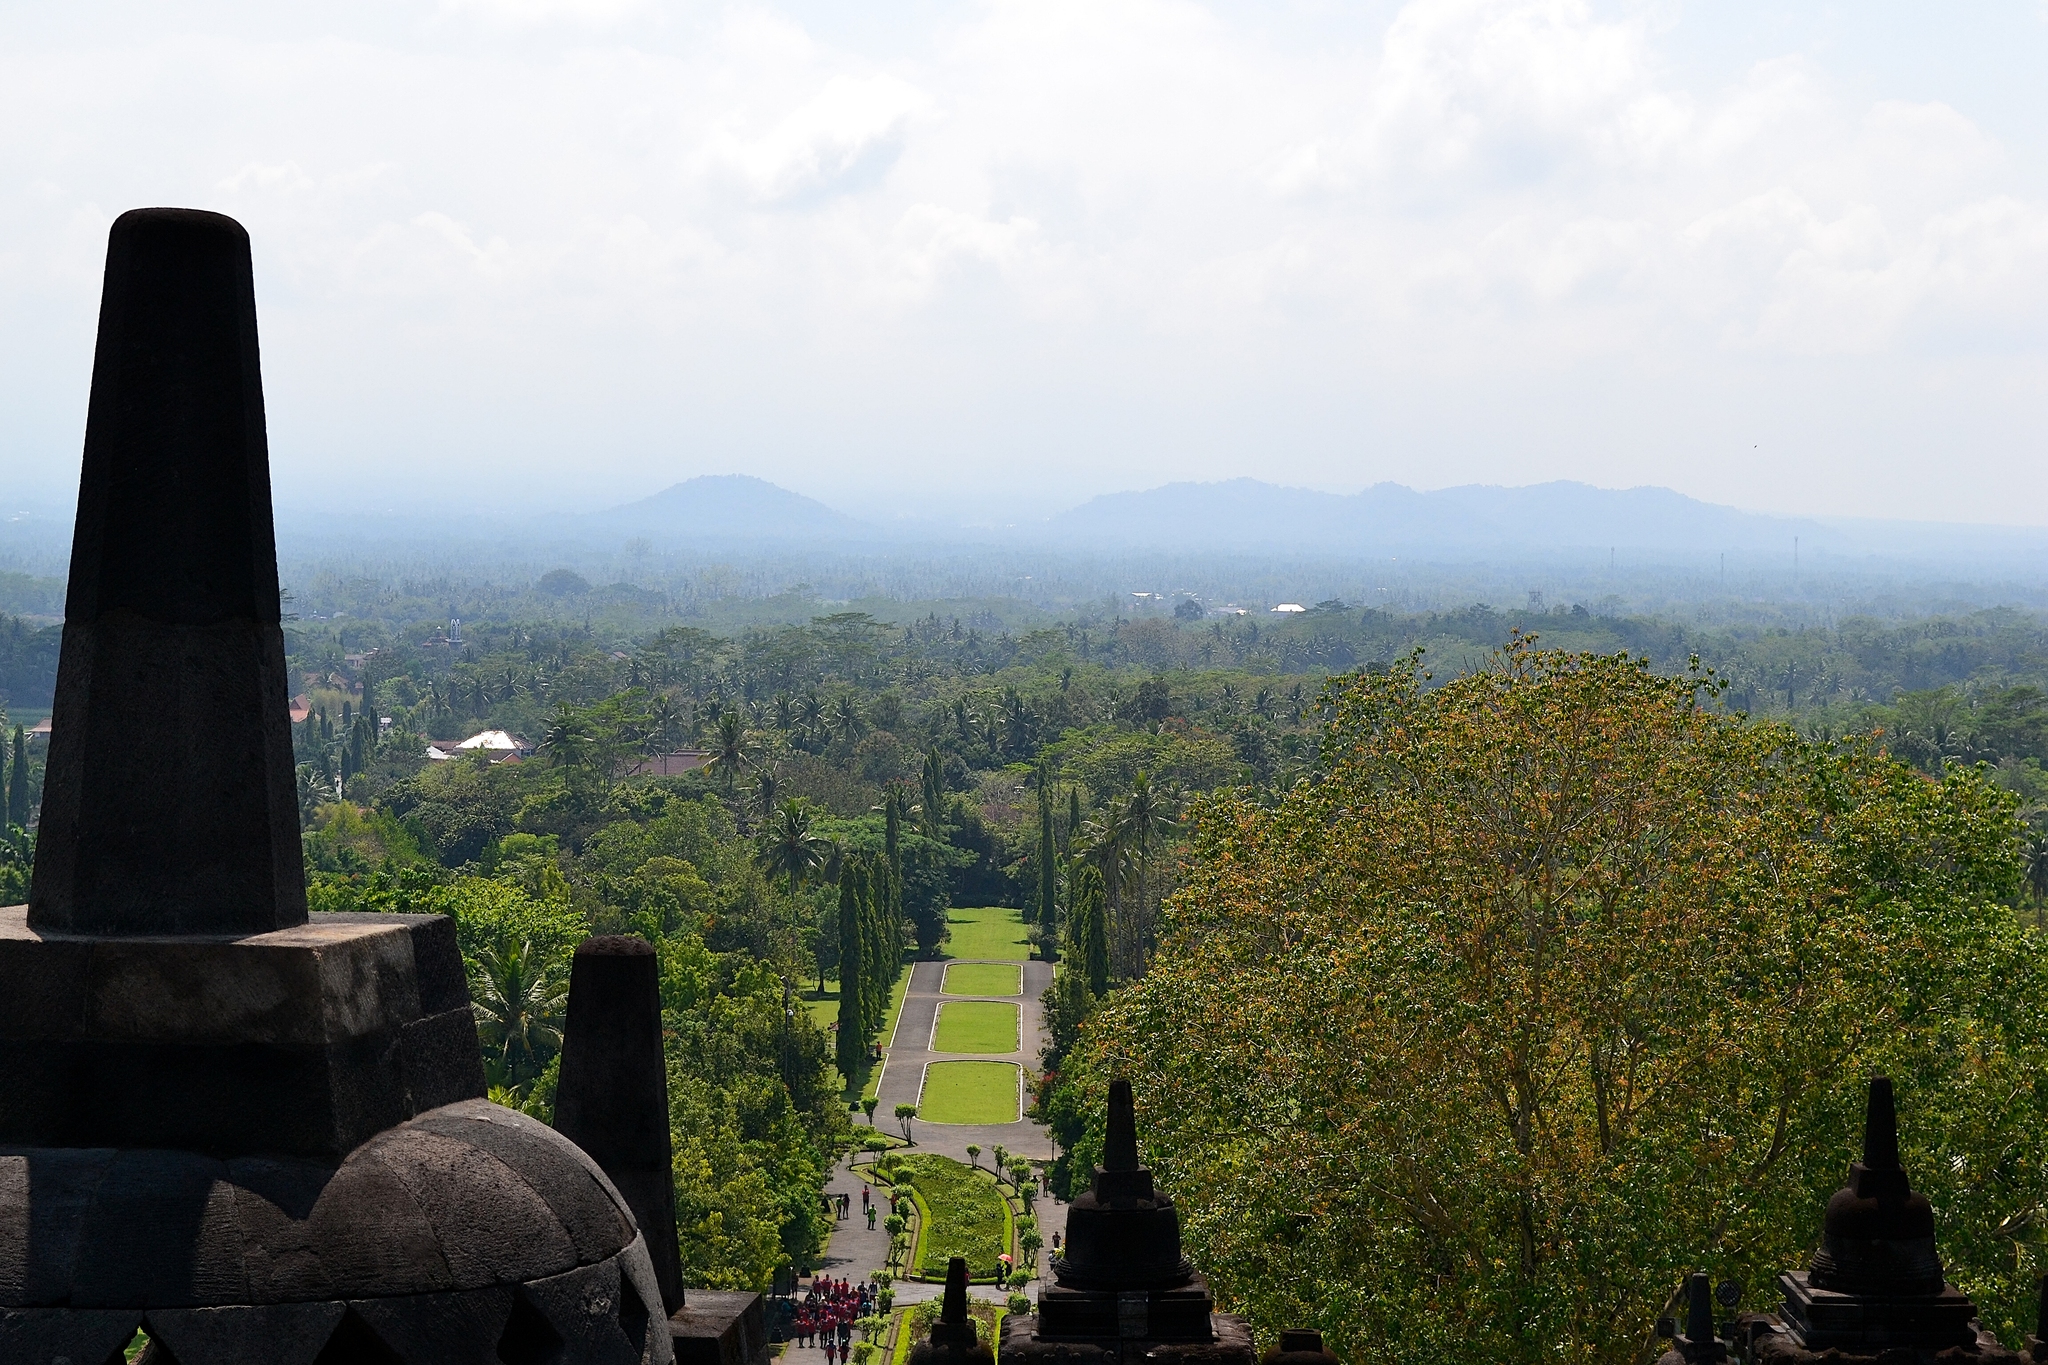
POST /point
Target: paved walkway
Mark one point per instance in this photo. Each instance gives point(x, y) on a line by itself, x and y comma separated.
point(854, 1252)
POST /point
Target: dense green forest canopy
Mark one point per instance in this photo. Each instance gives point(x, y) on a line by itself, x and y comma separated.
point(903, 759)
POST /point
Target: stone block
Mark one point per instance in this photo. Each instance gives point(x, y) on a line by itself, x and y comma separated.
point(1229, 1343)
point(597, 1312)
point(590, 1207)
point(50, 1336)
point(301, 1042)
point(719, 1327)
point(270, 1334)
point(440, 1329)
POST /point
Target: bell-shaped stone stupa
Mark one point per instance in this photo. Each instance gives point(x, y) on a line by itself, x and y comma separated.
point(1122, 1284)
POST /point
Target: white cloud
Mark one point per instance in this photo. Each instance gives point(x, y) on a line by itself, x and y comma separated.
point(644, 221)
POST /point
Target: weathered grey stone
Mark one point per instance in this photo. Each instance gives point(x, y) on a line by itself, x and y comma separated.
point(266, 1130)
point(64, 1336)
point(585, 1308)
point(612, 1099)
point(158, 1232)
point(720, 1327)
point(492, 1227)
point(302, 1042)
point(441, 1329)
point(591, 1209)
point(273, 1334)
point(171, 621)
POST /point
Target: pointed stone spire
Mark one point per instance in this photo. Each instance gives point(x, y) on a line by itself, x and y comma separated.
point(953, 1339)
point(954, 1327)
point(170, 804)
point(1881, 1127)
point(1120, 1137)
point(1122, 1234)
point(612, 1096)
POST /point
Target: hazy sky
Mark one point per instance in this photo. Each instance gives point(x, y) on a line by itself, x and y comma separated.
point(988, 259)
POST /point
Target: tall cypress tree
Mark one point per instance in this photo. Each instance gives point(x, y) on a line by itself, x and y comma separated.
point(852, 1046)
point(892, 845)
point(934, 792)
point(875, 904)
point(17, 782)
point(1088, 926)
point(1048, 867)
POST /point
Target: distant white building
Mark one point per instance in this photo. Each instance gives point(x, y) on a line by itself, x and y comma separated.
point(1290, 607)
point(499, 745)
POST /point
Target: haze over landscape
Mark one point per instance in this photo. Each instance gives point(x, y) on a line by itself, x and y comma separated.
point(1379, 667)
point(976, 264)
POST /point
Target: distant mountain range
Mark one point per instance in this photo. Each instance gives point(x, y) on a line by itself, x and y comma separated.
point(1472, 523)
point(1245, 514)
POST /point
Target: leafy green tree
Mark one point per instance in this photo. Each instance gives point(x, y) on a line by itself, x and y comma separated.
point(904, 1114)
point(1560, 982)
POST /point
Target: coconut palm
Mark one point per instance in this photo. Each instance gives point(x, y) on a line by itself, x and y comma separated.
point(847, 721)
point(790, 847)
point(730, 751)
point(567, 739)
point(520, 1000)
point(664, 721)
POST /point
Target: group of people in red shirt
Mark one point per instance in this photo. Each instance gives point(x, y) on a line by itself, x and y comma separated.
point(826, 1316)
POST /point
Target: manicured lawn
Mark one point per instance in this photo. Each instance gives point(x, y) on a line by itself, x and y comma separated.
point(976, 1026)
point(967, 1216)
point(969, 1092)
point(991, 931)
point(983, 978)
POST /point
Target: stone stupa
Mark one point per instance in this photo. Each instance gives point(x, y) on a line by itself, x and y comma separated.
point(1876, 1287)
point(257, 1134)
point(1122, 1288)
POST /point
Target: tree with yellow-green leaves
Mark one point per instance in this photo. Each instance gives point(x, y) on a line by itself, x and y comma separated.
point(1558, 981)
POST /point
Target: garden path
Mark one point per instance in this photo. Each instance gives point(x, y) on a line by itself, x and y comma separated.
point(854, 1252)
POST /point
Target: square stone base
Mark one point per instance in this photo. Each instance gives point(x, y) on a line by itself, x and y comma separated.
point(1179, 1314)
point(1821, 1318)
point(1229, 1342)
point(301, 1042)
point(719, 1327)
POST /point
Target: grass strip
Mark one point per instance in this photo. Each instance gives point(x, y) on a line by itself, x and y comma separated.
point(983, 978)
point(969, 1092)
point(989, 931)
point(976, 1026)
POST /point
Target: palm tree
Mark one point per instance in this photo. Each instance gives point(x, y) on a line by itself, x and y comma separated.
point(729, 749)
point(664, 721)
point(765, 784)
point(1143, 819)
point(810, 713)
point(789, 848)
point(847, 721)
point(566, 738)
point(520, 1001)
